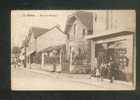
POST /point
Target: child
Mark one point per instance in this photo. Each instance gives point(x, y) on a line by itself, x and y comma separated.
point(97, 73)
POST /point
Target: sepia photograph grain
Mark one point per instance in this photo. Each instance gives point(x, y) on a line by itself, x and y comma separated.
point(73, 50)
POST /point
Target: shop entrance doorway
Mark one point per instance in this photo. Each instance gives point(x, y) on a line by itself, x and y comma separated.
point(105, 51)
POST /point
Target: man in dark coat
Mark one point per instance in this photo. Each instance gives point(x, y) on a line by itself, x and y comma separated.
point(113, 70)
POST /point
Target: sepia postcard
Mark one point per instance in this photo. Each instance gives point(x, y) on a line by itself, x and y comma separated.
point(73, 50)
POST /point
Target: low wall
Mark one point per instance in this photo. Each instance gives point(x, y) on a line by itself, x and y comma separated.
point(51, 68)
point(80, 69)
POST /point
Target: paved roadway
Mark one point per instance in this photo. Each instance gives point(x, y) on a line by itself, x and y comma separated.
point(29, 80)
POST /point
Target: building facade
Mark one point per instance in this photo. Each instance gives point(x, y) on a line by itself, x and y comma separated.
point(31, 47)
point(78, 25)
point(45, 48)
point(22, 56)
point(113, 36)
point(51, 49)
point(89, 40)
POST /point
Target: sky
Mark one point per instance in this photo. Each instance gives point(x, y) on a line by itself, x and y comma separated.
point(21, 21)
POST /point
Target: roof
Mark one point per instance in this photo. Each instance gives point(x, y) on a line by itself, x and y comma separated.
point(37, 31)
point(54, 47)
point(24, 43)
point(86, 19)
point(55, 35)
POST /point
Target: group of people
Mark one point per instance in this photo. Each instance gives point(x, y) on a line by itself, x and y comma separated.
point(105, 70)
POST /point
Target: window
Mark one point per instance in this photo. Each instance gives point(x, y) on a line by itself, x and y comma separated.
point(89, 32)
point(84, 31)
point(74, 28)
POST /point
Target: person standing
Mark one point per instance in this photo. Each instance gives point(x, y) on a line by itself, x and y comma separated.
point(113, 67)
point(97, 73)
point(102, 67)
point(94, 67)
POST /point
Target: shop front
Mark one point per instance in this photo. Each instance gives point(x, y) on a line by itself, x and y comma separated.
point(117, 46)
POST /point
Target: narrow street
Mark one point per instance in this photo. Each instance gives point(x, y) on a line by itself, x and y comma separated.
point(22, 79)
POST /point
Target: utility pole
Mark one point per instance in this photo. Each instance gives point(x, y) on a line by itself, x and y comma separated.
point(25, 48)
point(25, 56)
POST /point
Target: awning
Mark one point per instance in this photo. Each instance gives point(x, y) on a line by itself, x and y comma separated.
point(113, 32)
point(76, 43)
point(53, 48)
point(119, 44)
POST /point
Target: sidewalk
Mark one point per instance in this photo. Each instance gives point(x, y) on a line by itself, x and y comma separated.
point(84, 78)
